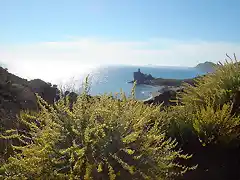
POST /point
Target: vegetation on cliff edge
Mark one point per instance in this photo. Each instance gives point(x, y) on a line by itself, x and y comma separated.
point(101, 138)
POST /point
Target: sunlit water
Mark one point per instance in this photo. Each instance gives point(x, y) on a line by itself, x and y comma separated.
point(115, 78)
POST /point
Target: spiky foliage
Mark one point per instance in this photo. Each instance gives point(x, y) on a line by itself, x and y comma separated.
point(219, 87)
point(216, 125)
point(101, 138)
point(211, 106)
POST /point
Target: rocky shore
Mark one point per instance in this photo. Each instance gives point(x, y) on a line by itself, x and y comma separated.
point(167, 96)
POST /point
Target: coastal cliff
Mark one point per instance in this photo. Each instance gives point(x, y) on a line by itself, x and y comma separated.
point(167, 96)
point(18, 94)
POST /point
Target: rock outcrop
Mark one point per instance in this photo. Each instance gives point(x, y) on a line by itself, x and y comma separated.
point(141, 78)
point(167, 96)
point(47, 91)
point(18, 94)
point(72, 98)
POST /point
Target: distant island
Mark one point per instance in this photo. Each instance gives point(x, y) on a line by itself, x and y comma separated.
point(207, 67)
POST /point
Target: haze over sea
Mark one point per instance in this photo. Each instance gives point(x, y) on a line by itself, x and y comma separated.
point(114, 78)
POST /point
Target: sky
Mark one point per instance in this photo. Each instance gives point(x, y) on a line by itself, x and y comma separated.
point(78, 35)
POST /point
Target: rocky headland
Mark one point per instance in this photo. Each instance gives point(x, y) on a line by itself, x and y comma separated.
point(166, 95)
point(18, 94)
point(148, 79)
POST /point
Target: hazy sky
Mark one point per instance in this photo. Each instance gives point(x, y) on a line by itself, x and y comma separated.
point(36, 36)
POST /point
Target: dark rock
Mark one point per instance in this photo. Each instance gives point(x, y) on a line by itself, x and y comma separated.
point(6, 77)
point(236, 103)
point(45, 90)
point(24, 96)
point(72, 97)
point(141, 78)
point(168, 96)
point(17, 94)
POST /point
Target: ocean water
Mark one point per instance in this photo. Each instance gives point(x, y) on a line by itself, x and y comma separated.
point(114, 78)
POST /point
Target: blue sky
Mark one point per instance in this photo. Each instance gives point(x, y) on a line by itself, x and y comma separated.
point(97, 32)
point(54, 20)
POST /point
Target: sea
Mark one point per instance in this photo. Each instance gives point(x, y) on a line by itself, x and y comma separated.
point(114, 79)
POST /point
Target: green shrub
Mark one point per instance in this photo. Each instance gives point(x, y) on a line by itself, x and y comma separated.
point(219, 87)
point(181, 126)
point(210, 107)
point(216, 125)
point(208, 124)
point(101, 138)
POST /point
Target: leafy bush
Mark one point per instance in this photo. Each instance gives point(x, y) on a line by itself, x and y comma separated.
point(181, 126)
point(216, 125)
point(219, 87)
point(101, 138)
point(210, 108)
point(206, 123)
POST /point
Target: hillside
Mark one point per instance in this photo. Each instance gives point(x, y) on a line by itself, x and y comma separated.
point(18, 94)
